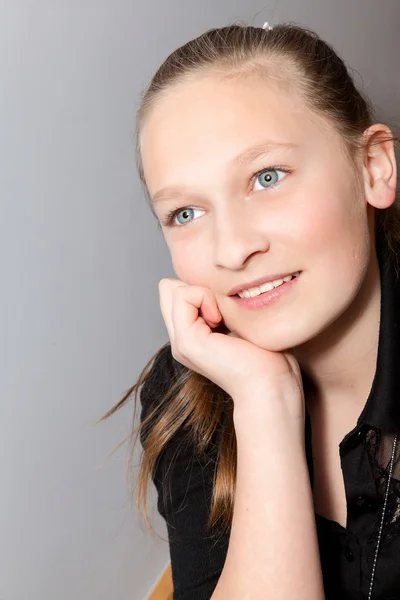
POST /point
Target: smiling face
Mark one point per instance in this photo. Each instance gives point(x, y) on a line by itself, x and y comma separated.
point(293, 205)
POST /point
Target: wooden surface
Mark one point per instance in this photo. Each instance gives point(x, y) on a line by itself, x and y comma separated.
point(163, 589)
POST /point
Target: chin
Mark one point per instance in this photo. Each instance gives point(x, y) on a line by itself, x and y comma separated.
point(278, 341)
point(284, 337)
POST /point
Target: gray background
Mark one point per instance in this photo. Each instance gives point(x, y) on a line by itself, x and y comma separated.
point(81, 257)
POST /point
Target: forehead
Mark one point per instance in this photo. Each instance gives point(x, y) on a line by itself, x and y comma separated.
point(209, 120)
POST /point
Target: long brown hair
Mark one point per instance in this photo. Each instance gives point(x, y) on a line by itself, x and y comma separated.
point(301, 59)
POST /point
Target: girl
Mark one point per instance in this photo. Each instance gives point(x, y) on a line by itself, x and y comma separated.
point(269, 421)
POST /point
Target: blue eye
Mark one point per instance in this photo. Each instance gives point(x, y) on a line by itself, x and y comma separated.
point(264, 177)
point(186, 212)
point(267, 177)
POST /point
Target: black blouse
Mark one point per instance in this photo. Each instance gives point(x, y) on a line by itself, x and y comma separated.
point(347, 553)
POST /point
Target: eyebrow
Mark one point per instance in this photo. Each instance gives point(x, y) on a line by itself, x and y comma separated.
point(243, 158)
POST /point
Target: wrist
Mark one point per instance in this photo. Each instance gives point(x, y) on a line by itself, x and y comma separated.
point(278, 415)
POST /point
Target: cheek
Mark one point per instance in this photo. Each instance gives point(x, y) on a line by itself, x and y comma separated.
point(337, 243)
point(330, 221)
point(191, 265)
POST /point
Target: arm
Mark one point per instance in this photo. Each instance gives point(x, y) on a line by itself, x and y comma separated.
point(273, 548)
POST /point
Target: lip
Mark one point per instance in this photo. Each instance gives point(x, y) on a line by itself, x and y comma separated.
point(267, 298)
point(257, 282)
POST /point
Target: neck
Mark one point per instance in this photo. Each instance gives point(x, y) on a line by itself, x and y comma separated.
point(339, 365)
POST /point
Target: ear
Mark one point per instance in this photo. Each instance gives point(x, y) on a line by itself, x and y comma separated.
point(379, 166)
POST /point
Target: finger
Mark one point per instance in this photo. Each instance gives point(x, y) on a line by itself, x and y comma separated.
point(210, 312)
point(188, 301)
point(211, 324)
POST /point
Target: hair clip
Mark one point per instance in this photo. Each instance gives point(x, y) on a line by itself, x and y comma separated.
point(267, 26)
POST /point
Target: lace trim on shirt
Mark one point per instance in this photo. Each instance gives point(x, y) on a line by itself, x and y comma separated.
point(380, 447)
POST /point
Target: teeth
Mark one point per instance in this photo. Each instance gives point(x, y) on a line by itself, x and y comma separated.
point(265, 287)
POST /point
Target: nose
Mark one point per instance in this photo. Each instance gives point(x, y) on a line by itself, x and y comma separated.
point(236, 237)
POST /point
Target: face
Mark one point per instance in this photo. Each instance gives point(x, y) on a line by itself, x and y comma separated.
point(290, 208)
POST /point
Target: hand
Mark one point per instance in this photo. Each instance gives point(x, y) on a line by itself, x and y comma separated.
point(239, 367)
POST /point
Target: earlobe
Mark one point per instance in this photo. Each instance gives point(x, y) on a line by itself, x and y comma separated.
point(380, 166)
point(383, 195)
